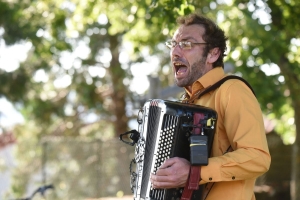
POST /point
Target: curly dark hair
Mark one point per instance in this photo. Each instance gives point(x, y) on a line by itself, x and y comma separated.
point(214, 35)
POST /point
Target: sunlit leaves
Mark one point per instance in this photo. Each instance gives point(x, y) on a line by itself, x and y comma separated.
point(101, 40)
point(285, 125)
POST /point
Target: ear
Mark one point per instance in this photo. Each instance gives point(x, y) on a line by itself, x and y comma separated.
point(213, 55)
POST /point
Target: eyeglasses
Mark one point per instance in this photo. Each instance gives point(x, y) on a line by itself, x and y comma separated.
point(182, 44)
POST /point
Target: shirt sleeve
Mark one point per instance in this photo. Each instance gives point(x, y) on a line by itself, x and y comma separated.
point(242, 122)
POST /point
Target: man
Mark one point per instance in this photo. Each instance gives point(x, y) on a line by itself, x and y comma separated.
point(197, 51)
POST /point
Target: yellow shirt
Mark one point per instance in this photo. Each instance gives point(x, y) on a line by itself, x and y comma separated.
point(240, 125)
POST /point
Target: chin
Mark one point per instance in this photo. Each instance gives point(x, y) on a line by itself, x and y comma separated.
point(180, 83)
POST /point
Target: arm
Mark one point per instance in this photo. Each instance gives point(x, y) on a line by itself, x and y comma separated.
point(240, 120)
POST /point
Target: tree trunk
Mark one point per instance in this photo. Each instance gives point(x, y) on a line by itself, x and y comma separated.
point(295, 175)
point(293, 84)
point(119, 91)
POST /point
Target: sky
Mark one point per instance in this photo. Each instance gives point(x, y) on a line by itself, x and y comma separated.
point(10, 57)
point(9, 116)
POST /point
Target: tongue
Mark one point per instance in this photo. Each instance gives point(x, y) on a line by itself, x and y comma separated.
point(181, 70)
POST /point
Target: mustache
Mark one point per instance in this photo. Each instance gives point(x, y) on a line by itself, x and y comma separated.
point(180, 60)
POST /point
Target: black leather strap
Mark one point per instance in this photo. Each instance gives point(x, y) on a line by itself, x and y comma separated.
point(220, 82)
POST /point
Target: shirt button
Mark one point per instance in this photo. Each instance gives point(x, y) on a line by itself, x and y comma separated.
point(210, 178)
point(233, 177)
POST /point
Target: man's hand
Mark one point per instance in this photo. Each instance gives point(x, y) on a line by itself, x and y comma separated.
point(173, 173)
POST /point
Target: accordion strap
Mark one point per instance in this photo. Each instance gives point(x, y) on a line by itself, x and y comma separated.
point(203, 91)
point(194, 176)
point(220, 82)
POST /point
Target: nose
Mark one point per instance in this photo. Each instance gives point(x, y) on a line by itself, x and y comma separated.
point(176, 51)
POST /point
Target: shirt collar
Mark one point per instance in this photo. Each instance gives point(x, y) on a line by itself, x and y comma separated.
point(206, 80)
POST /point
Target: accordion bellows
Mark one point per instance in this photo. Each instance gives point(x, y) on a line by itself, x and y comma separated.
point(165, 128)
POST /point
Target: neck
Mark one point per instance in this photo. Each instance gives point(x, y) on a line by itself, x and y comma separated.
point(189, 88)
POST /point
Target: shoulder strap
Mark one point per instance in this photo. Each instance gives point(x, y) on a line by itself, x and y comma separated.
point(213, 87)
point(220, 82)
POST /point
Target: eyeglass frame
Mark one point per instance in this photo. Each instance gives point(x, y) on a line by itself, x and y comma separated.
point(170, 42)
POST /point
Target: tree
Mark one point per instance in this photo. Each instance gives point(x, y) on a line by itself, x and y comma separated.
point(72, 72)
point(92, 35)
point(58, 97)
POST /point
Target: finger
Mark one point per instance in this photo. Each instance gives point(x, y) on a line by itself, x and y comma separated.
point(172, 166)
point(167, 163)
point(162, 185)
point(160, 182)
point(163, 171)
point(160, 178)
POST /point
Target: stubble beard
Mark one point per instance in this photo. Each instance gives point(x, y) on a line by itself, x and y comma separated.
point(196, 71)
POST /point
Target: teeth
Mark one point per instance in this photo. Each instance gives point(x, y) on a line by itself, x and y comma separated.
point(177, 64)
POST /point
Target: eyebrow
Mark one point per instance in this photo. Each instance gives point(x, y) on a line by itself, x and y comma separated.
point(187, 38)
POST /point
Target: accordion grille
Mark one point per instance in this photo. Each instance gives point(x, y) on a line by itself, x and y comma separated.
point(153, 118)
point(163, 149)
point(165, 144)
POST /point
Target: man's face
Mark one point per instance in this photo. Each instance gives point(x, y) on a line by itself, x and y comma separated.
point(189, 64)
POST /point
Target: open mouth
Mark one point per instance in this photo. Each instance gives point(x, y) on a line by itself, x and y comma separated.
point(180, 68)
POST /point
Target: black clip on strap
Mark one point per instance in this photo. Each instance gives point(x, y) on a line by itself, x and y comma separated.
point(134, 136)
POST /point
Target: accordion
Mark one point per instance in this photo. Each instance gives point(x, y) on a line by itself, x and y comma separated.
point(164, 131)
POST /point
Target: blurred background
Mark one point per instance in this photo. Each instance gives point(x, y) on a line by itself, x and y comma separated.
point(74, 73)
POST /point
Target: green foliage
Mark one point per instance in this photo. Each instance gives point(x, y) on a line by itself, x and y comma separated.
point(104, 28)
point(285, 125)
